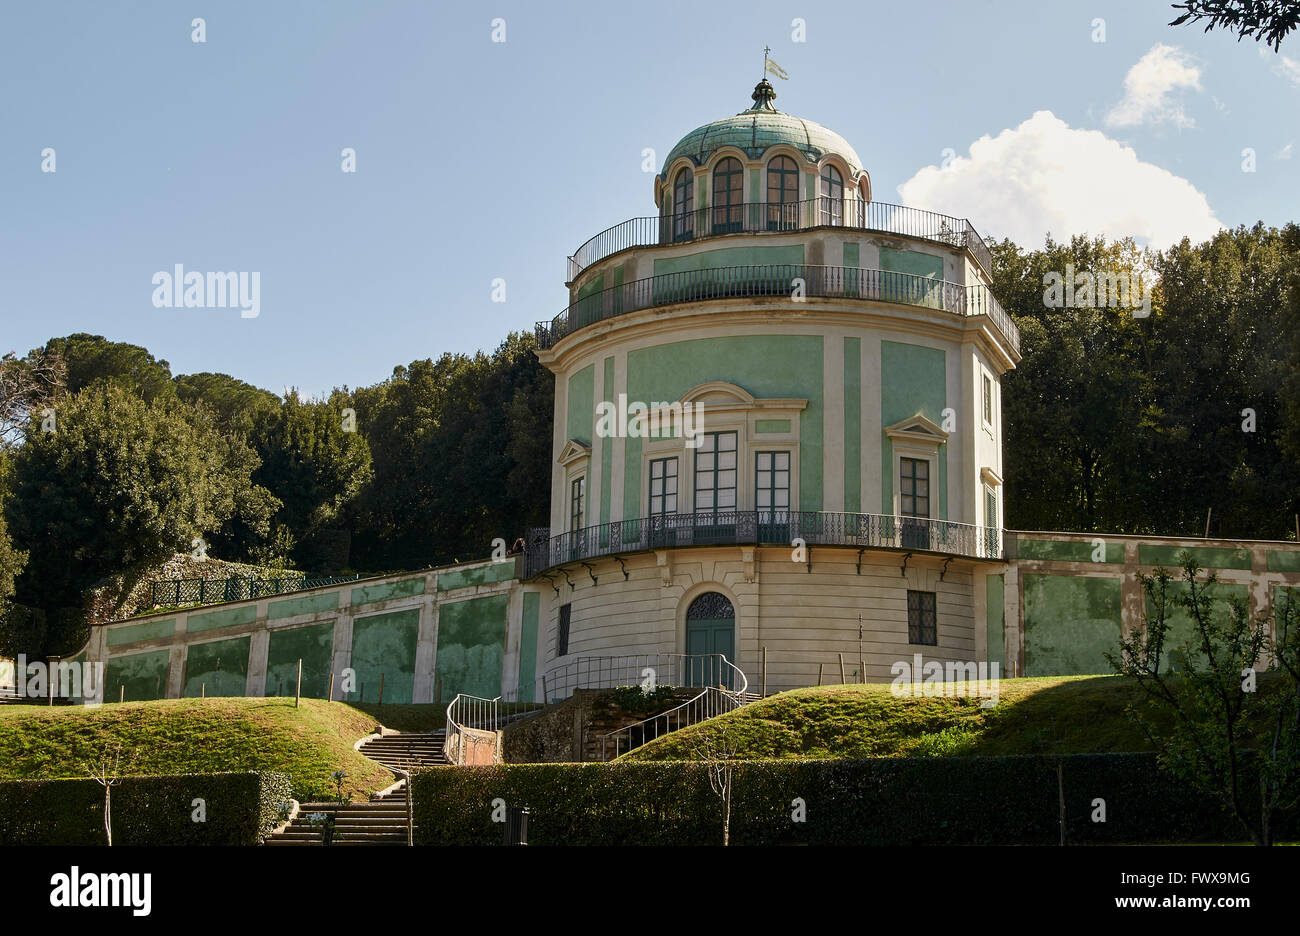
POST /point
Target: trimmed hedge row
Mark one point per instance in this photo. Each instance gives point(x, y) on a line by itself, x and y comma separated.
point(880, 801)
point(240, 809)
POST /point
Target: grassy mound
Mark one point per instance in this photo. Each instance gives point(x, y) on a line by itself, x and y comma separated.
point(177, 736)
point(1050, 715)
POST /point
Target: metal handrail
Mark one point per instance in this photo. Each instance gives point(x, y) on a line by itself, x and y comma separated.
point(795, 281)
point(609, 672)
point(762, 217)
point(713, 701)
point(474, 713)
point(761, 527)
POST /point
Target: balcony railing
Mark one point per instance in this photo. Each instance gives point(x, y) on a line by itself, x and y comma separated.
point(761, 527)
point(791, 280)
point(756, 217)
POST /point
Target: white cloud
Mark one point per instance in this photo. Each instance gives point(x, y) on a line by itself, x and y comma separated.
point(1149, 87)
point(1283, 66)
point(1047, 177)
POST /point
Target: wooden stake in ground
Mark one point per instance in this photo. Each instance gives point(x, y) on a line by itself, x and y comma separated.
point(764, 671)
point(121, 692)
point(862, 669)
point(1208, 514)
point(203, 690)
point(1060, 793)
point(819, 674)
point(330, 697)
point(297, 692)
point(843, 680)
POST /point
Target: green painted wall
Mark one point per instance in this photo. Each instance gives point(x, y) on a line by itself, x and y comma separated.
point(1280, 560)
point(1070, 622)
point(384, 644)
point(1076, 551)
point(910, 264)
point(851, 255)
point(143, 674)
point(483, 575)
point(310, 604)
point(245, 614)
point(149, 630)
point(314, 645)
point(852, 422)
point(1182, 631)
point(607, 448)
point(771, 426)
point(471, 646)
point(730, 257)
point(995, 618)
point(528, 647)
point(765, 365)
point(582, 406)
point(1208, 557)
point(588, 304)
point(405, 588)
point(913, 380)
point(219, 668)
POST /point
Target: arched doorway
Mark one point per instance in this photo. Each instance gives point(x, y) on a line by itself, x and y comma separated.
point(710, 630)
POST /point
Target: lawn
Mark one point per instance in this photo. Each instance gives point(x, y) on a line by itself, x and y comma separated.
point(1047, 715)
point(194, 736)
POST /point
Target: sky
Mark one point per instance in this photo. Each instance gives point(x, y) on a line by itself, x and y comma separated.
point(481, 164)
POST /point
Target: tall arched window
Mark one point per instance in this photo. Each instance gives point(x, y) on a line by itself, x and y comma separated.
point(684, 205)
point(832, 206)
point(782, 194)
point(728, 186)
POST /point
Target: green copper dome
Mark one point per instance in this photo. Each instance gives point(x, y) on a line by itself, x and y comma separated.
point(759, 127)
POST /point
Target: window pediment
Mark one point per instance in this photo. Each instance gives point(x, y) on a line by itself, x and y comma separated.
point(917, 430)
point(573, 451)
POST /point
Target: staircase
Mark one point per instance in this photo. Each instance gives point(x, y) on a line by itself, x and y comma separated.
point(382, 820)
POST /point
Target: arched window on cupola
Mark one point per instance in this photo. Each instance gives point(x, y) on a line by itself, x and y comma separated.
point(831, 209)
point(684, 205)
point(782, 194)
point(728, 186)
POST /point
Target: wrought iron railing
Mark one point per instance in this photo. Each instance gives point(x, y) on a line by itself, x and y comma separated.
point(762, 527)
point(608, 672)
point(792, 280)
point(756, 217)
point(713, 701)
point(176, 592)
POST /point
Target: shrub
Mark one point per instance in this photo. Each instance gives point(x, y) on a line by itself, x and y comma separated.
point(239, 809)
point(882, 801)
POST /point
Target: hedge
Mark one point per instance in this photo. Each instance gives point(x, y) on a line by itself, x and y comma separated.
point(241, 809)
point(878, 801)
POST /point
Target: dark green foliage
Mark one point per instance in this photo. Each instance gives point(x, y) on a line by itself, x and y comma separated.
point(233, 403)
point(120, 485)
point(241, 809)
point(1121, 424)
point(93, 359)
point(1262, 20)
point(885, 801)
point(461, 452)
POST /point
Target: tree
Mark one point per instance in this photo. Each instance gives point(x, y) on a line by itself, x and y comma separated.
point(105, 773)
point(235, 405)
point(92, 359)
point(316, 465)
point(1202, 709)
point(120, 485)
point(1269, 20)
point(719, 752)
point(27, 384)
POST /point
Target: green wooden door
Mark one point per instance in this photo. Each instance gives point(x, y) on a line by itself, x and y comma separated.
point(710, 630)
